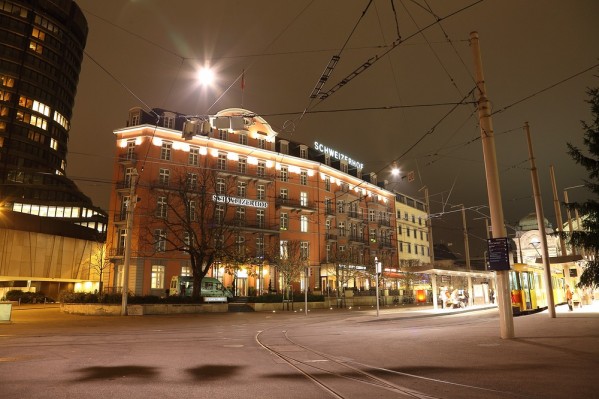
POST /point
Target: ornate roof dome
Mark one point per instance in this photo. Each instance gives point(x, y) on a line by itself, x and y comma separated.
point(529, 222)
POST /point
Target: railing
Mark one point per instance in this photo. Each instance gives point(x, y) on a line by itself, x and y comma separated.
point(330, 237)
point(294, 203)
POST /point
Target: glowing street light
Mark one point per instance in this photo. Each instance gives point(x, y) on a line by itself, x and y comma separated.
point(394, 169)
point(205, 76)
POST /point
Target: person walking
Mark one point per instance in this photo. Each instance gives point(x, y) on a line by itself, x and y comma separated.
point(569, 298)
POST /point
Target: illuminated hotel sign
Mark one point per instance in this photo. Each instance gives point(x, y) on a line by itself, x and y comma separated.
point(240, 201)
point(337, 155)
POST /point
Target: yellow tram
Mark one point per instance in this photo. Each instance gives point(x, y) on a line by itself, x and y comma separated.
point(527, 288)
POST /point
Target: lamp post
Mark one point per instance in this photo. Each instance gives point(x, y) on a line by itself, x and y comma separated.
point(377, 266)
point(128, 237)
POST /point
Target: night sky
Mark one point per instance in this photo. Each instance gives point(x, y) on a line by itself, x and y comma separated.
point(404, 107)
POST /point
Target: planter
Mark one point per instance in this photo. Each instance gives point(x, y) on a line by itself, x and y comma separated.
point(98, 309)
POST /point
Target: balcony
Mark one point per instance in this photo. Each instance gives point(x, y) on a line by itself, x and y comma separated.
point(254, 226)
point(295, 204)
point(128, 159)
point(384, 223)
point(355, 239)
point(330, 237)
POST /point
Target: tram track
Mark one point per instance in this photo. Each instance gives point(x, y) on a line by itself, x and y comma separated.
point(345, 378)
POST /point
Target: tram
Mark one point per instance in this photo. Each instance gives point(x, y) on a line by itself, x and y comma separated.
point(527, 289)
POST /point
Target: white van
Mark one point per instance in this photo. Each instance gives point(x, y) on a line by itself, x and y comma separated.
point(211, 287)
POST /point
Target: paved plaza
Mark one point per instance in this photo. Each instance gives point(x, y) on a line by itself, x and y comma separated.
point(412, 352)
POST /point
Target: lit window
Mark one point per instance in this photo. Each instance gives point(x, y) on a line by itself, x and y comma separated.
point(304, 250)
point(304, 223)
point(157, 279)
point(303, 199)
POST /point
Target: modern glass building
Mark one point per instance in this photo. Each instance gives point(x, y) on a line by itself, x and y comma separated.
point(41, 51)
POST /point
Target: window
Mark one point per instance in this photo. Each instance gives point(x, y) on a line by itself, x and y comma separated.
point(328, 252)
point(260, 246)
point(192, 181)
point(222, 134)
point(260, 220)
point(131, 149)
point(327, 183)
point(157, 279)
point(124, 205)
point(413, 219)
point(240, 243)
point(284, 147)
point(165, 151)
point(284, 220)
point(340, 206)
point(262, 143)
point(372, 235)
point(243, 139)
point(304, 223)
point(344, 167)
point(261, 191)
point(327, 224)
point(186, 239)
point(242, 165)
point(221, 162)
point(241, 189)
point(169, 122)
point(304, 250)
point(160, 240)
point(194, 156)
point(284, 194)
point(186, 271)
point(419, 221)
point(304, 152)
point(261, 169)
point(161, 207)
point(304, 178)
point(221, 187)
point(192, 211)
point(284, 174)
point(219, 213)
point(328, 206)
point(303, 199)
point(341, 227)
point(409, 247)
point(421, 235)
point(240, 214)
point(164, 176)
point(283, 249)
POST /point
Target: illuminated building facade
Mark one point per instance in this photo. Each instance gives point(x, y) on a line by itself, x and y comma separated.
point(277, 192)
point(41, 51)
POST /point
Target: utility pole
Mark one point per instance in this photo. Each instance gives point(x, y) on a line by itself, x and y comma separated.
point(569, 216)
point(541, 224)
point(129, 226)
point(504, 302)
point(430, 247)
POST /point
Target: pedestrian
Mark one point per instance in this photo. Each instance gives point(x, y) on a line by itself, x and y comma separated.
point(569, 298)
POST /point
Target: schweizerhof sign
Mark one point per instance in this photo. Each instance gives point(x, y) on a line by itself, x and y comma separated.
point(240, 201)
point(337, 155)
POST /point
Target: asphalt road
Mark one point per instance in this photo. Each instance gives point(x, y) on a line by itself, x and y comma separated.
point(403, 353)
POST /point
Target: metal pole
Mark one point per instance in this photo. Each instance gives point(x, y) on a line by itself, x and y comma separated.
point(377, 267)
point(569, 215)
point(558, 212)
point(541, 223)
point(129, 226)
point(493, 189)
point(306, 289)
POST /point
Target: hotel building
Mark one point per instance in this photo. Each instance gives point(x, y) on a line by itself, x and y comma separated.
point(270, 191)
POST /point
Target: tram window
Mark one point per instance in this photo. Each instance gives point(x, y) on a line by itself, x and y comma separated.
point(514, 281)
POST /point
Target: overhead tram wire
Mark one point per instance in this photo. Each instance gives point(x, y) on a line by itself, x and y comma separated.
point(371, 61)
point(544, 89)
point(451, 79)
point(326, 74)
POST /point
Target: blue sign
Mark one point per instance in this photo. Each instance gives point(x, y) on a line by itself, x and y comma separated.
point(499, 253)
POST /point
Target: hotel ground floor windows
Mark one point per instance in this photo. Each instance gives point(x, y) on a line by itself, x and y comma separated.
point(157, 277)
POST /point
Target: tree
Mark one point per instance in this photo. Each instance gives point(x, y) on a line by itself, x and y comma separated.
point(290, 263)
point(193, 216)
point(345, 262)
point(100, 264)
point(587, 238)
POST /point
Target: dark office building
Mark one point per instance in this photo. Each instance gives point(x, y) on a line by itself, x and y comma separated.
point(41, 51)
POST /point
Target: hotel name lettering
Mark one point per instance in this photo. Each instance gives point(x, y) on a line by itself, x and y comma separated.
point(337, 155)
point(240, 201)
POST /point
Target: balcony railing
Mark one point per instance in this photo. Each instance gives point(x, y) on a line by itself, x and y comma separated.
point(330, 237)
point(294, 203)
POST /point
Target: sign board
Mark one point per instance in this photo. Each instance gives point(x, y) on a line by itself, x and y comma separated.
point(573, 273)
point(499, 253)
point(240, 201)
point(215, 299)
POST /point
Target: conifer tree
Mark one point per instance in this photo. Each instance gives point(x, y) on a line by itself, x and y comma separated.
point(587, 235)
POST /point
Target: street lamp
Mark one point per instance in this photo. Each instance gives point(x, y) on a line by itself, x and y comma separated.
point(378, 269)
point(205, 76)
